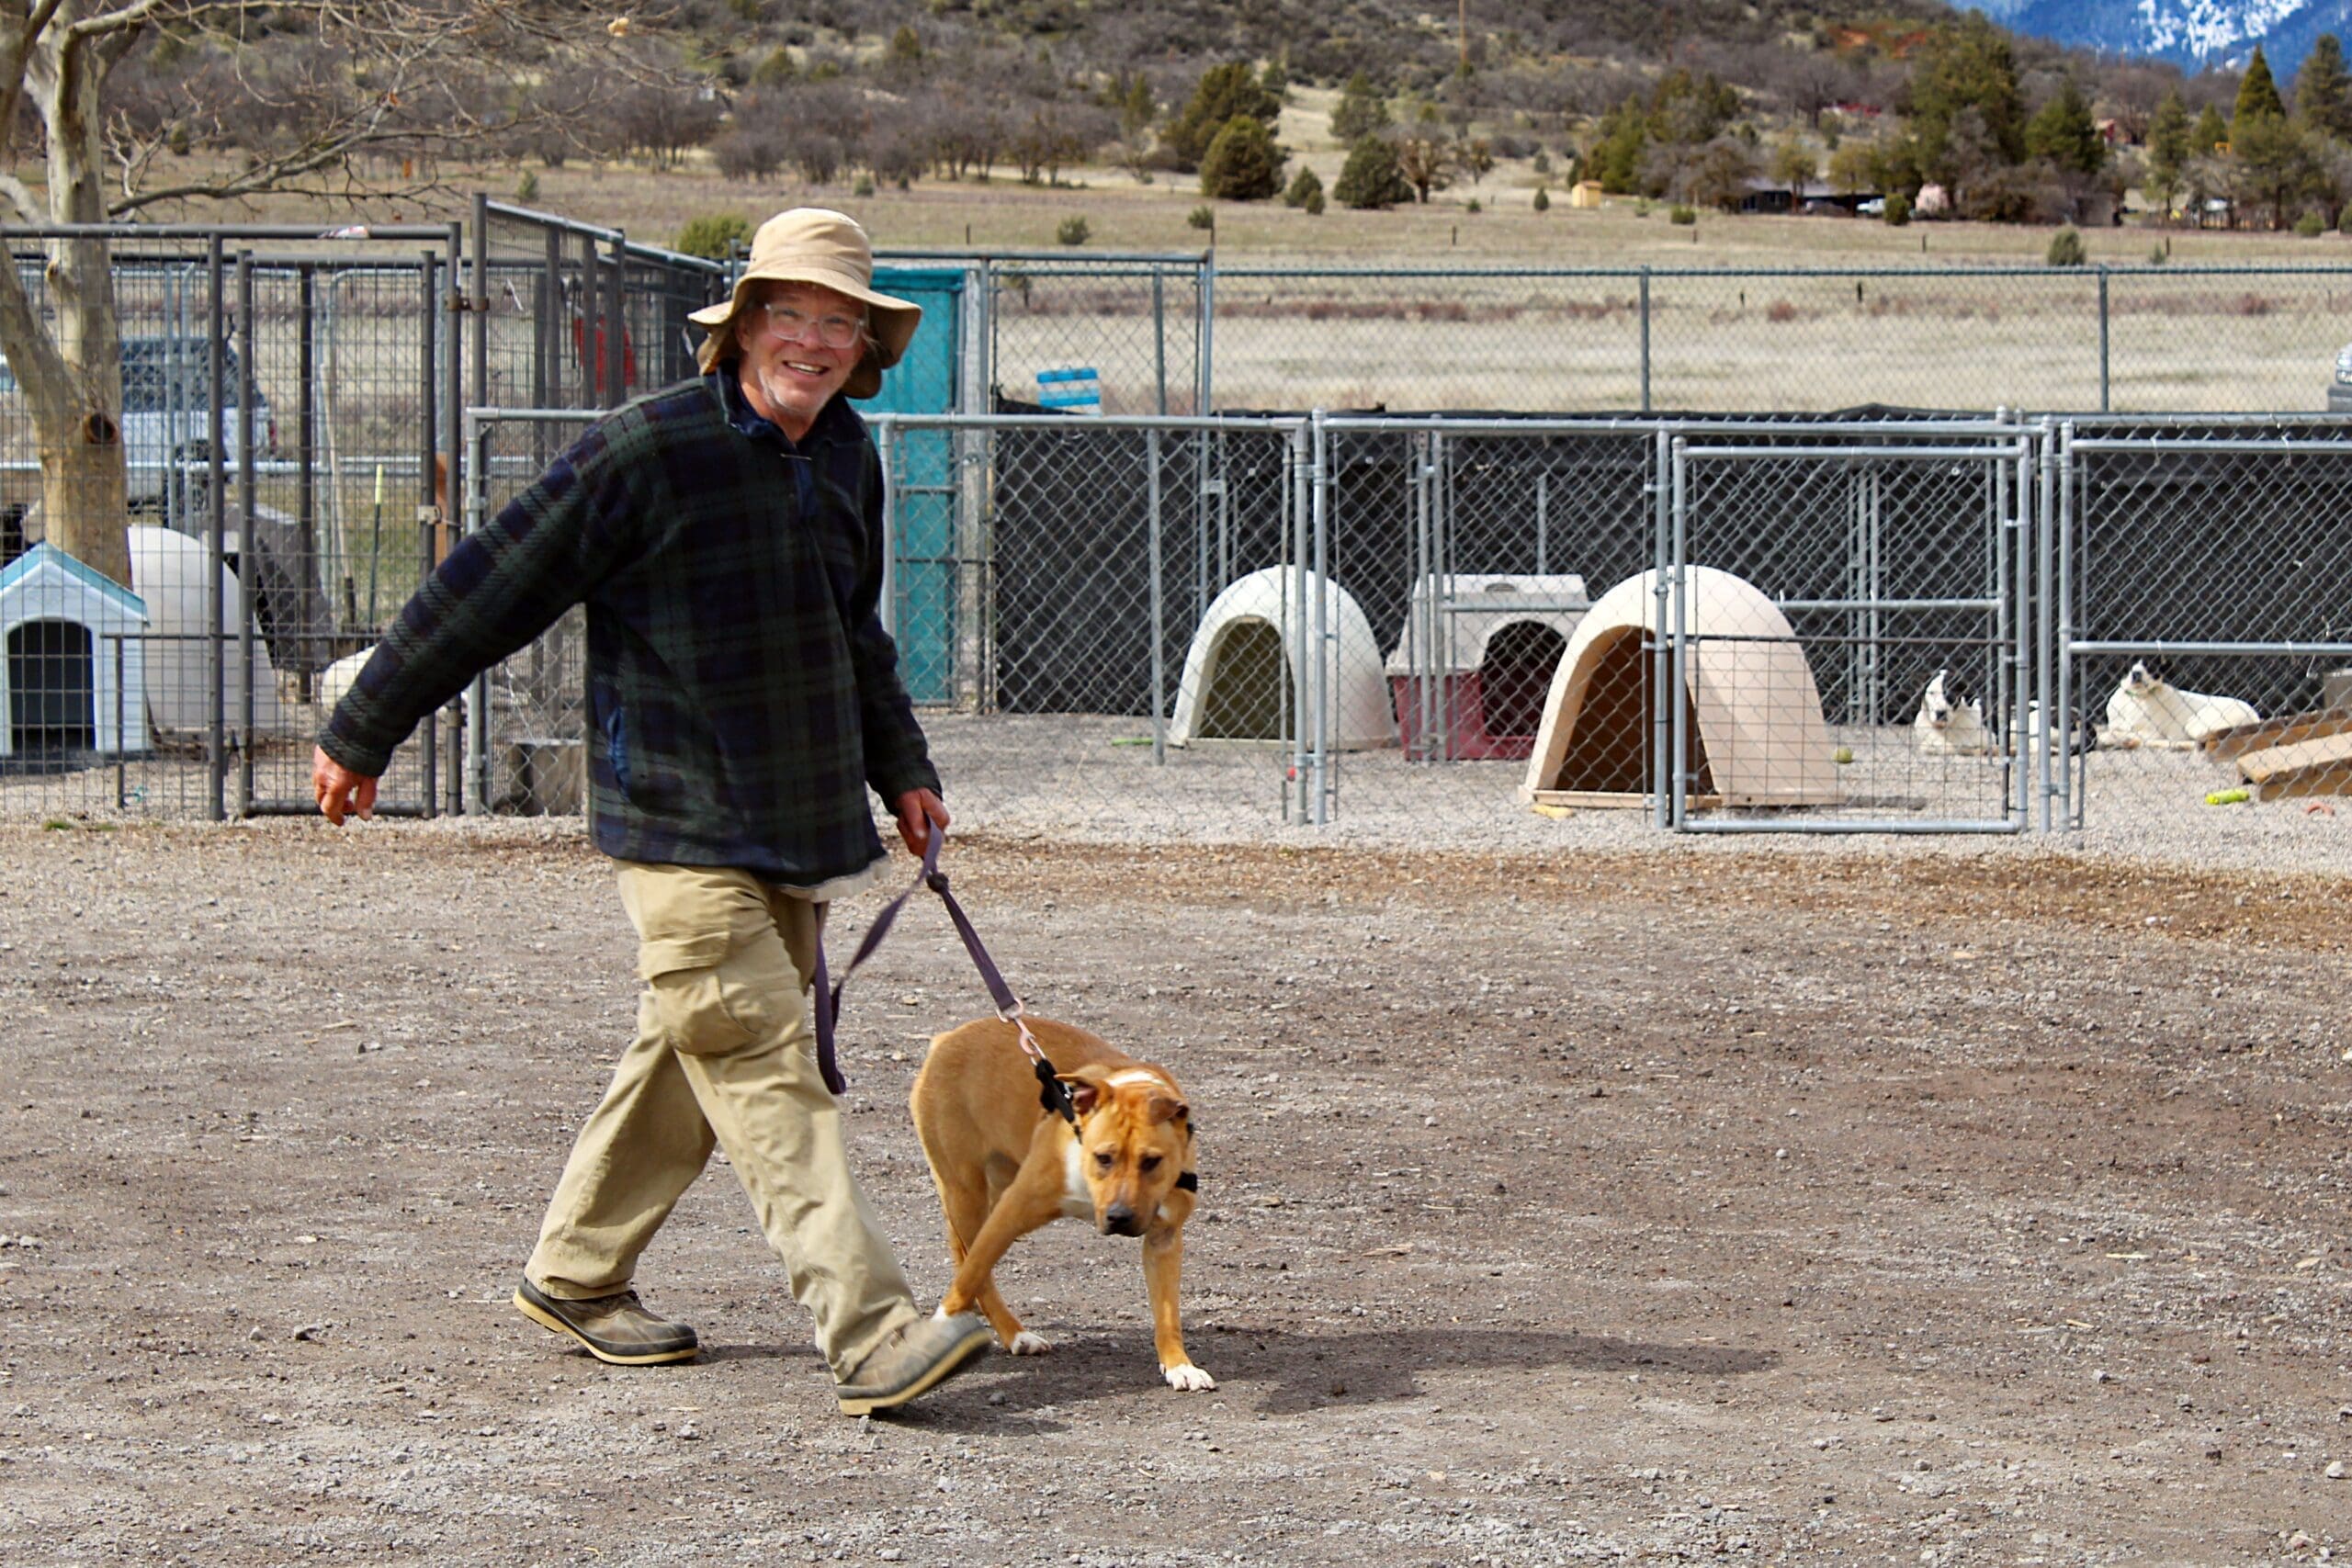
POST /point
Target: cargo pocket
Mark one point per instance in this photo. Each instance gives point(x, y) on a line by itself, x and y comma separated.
point(719, 993)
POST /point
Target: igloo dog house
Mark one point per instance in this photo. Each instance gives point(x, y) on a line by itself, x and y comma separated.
point(1492, 640)
point(1752, 709)
point(169, 568)
point(69, 633)
point(1242, 673)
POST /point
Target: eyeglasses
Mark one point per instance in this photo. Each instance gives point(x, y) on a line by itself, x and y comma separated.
point(792, 324)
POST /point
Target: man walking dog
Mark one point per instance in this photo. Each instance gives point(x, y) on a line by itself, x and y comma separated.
point(726, 537)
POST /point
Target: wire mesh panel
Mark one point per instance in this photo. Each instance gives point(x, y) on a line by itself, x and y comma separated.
point(1740, 341)
point(1778, 340)
point(1134, 582)
point(2204, 632)
point(1428, 338)
point(278, 399)
point(1135, 325)
point(1465, 555)
point(1842, 610)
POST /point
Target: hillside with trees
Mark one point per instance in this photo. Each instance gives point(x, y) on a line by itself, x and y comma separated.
point(1703, 103)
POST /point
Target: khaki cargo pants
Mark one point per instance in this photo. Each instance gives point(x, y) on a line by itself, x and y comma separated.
point(725, 1053)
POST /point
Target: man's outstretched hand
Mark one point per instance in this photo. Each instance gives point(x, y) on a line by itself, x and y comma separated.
point(344, 793)
point(916, 811)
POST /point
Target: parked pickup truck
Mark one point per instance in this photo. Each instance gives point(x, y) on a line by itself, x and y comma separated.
point(166, 411)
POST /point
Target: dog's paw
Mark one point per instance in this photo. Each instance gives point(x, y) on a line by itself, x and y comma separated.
point(1189, 1379)
point(1027, 1344)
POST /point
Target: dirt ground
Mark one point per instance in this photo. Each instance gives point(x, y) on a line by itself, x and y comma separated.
point(1713, 1205)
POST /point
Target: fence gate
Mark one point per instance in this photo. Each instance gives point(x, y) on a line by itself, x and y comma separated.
point(2203, 638)
point(1861, 677)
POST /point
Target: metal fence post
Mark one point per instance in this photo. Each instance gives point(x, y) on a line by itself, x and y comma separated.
point(2104, 401)
point(216, 672)
point(1159, 336)
point(428, 734)
point(1292, 682)
point(306, 419)
point(1679, 608)
point(1158, 605)
point(1661, 657)
point(1324, 653)
point(248, 547)
point(1646, 339)
point(2058, 611)
point(1205, 379)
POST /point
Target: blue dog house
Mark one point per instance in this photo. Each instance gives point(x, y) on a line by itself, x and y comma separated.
point(61, 625)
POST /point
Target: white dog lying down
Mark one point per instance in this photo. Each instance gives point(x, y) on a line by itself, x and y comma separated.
point(2147, 711)
point(1950, 722)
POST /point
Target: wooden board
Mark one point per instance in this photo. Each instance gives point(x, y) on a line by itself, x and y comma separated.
point(2310, 767)
point(2286, 729)
point(1611, 800)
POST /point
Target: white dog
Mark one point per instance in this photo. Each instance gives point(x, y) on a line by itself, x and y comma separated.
point(338, 678)
point(2147, 711)
point(1948, 726)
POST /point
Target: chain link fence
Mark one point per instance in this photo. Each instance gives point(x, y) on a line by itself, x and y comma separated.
point(2202, 600)
point(277, 407)
point(1871, 621)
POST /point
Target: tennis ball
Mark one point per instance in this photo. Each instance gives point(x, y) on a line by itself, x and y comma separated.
point(1843, 755)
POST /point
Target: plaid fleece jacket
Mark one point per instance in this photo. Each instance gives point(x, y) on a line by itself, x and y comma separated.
point(740, 687)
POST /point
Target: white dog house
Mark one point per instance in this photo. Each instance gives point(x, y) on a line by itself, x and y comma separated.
point(1754, 713)
point(169, 568)
point(62, 625)
point(1242, 671)
point(1493, 642)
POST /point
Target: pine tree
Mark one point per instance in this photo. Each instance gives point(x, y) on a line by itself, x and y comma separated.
point(1372, 178)
point(2208, 133)
point(1242, 163)
point(1360, 111)
point(2257, 94)
point(2168, 150)
point(1619, 140)
point(1223, 93)
point(1968, 65)
point(2322, 90)
point(2064, 132)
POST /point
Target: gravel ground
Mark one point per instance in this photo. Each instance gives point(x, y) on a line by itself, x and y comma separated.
point(1838, 1199)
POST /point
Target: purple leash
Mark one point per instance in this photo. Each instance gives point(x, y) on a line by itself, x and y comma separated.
point(1051, 1093)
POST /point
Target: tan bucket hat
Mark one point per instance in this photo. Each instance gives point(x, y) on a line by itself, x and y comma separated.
point(813, 244)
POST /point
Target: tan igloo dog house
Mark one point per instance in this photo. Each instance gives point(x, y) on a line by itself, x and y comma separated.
point(169, 568)
point(67, 631)
point(1494, 640)
point(1752, 710)
point(1243, 670)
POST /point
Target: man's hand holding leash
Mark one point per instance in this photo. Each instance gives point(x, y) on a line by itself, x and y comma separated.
point(916, 811)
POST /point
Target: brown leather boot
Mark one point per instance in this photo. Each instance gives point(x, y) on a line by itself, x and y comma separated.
point(915, 1359)
point(614, 1328)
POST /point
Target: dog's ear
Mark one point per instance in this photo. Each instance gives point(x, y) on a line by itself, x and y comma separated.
point(1167, 1108)
point(1086, 1088)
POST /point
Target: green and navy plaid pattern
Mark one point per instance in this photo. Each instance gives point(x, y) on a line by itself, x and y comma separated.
point(740, 687)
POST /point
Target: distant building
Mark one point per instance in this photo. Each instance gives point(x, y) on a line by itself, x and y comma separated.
point(1760, 195)
point(1585, 193)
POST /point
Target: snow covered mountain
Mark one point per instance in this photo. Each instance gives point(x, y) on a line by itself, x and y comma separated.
point(2190, 33)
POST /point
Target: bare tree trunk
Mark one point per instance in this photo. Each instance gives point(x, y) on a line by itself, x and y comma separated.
point(84, 501)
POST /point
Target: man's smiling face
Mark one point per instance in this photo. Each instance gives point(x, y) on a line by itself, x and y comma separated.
point(799, 344)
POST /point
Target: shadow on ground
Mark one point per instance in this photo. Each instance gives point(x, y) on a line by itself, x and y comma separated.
point(1284, 1373)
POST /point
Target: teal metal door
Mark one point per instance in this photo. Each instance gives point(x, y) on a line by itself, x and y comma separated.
point(923, 484)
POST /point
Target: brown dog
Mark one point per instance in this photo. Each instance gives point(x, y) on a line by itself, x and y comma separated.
point(1005, 1165)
